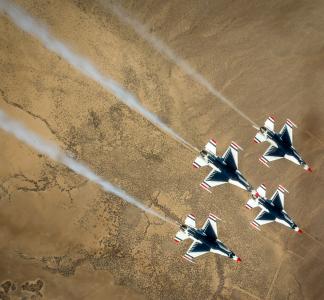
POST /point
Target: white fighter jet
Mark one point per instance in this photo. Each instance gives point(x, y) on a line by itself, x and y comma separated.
point(204, 240)
point(272, 210)
point(281, 144)
point(224, 169)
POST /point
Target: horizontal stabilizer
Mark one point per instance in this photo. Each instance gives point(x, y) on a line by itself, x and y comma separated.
point(180, 236)
point(211, 146)
point(251, 204)
point(261, 191)
point(191, 221)
point(199, 162)
point(259, 138)
point(269, 123)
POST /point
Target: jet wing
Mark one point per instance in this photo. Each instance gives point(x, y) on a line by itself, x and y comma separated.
point(269, 123)
point(210, 227)
point(271, 154)
point(231, 155)
point(286, 132)
point(278, 198)
point(263, 218)
point(196, 249)
point(213, 178)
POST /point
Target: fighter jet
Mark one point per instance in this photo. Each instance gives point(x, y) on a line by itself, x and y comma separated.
point(204, 240)
point(224, 169)
point(281, 144)
point(272, 209)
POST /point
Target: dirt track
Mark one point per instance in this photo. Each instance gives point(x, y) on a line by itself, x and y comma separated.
point(267, 57)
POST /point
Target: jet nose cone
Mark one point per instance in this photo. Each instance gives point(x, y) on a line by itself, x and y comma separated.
point(308, 168)
point(297, 229)
point(236, 258)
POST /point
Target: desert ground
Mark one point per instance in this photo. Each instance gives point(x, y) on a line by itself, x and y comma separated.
point(62, 237)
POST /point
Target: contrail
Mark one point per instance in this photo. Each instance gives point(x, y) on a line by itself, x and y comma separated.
point(172, 56)
point(38, 143)
point(28, 24)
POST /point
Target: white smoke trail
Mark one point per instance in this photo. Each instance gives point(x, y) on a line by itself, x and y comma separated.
point(26, 22)
point(38, 143)
point(172, 56)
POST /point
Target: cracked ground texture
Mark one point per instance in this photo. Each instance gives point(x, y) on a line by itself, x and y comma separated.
point(82, 243)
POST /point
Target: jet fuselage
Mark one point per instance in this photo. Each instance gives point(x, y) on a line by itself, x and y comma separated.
point(278, 213)
point(228, 172)
point(215, 245)
point(287, 149)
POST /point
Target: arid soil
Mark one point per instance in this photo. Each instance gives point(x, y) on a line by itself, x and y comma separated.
point(61, 237)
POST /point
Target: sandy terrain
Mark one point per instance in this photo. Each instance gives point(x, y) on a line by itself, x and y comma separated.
point(61, 237)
